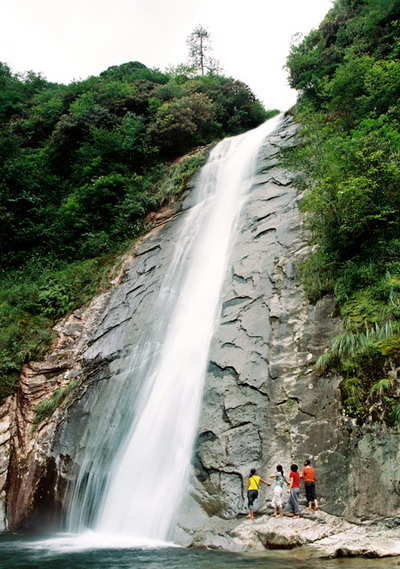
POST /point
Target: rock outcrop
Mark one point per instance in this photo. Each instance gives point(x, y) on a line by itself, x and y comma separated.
point(314, 535)
point(264, 403)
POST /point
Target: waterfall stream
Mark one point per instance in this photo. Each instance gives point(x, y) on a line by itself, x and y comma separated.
point(163, 384)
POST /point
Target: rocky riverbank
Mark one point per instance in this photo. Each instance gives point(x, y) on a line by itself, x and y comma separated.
point(315, 534)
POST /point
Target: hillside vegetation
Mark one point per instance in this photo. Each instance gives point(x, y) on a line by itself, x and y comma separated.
point(347, 73)
point(82, 166)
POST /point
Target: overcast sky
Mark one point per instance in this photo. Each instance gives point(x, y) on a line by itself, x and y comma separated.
point(72, 39)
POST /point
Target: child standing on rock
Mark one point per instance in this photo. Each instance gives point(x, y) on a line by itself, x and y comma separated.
point(294, 492)
point(253, 483)
point(277, 501)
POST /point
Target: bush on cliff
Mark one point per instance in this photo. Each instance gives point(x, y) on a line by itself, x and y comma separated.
point(348, 75)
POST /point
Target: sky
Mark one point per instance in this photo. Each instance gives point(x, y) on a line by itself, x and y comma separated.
point(68, 40)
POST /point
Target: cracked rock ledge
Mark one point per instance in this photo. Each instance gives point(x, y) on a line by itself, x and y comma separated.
point(315, 534)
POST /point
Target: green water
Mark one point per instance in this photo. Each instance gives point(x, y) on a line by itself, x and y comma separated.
point(27, 552)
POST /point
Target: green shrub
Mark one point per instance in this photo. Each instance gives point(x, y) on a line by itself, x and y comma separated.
point(32, 299)
point(176, 178)
point(368, 351)
point(348, 77)
point(47, 407)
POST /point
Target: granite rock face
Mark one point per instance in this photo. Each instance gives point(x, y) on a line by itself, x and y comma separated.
point(263, 403)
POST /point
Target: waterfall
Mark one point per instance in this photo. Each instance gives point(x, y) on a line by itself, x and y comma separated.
point(158, 396)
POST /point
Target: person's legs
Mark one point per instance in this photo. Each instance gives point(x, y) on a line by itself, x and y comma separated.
point(313, 496)
point(273, 503)
point(307, 487)
point(296, 509)
point(290, 505)
point(310, 495)
point(251, 496)
point(277, 500)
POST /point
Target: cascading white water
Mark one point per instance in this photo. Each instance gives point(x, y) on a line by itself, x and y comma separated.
point(148, 474)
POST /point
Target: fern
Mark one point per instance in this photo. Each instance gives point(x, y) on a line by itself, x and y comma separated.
point(396, 414)
point(390, 346)
point(382, 386)
point(352, 387)
point(344, 347)
point(365, 353)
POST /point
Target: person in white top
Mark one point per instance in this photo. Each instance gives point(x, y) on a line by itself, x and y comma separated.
point(277, 501)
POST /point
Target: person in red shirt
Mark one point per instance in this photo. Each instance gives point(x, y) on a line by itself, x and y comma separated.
point(294, 490)
point(308, 475)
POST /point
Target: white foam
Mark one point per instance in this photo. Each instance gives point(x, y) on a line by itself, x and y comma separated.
point(90, 540)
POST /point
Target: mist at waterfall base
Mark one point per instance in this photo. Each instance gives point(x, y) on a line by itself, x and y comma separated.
point(23, 552)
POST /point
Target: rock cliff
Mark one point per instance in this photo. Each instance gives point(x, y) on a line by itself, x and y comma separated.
point(263, 403)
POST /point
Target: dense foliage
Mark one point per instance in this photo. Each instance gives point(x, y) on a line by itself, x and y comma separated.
point(81, 167)
point(348, 75)
point(80, 162)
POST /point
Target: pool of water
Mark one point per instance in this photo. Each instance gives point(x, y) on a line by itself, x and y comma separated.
point(69, 552)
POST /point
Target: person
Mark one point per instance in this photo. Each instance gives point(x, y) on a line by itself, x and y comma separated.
point(294, 492)
point(277, 501)
point(308, 475)
point(253, 483)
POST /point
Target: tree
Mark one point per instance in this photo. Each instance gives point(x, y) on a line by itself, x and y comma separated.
point(183, 123)
point(199, 43)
